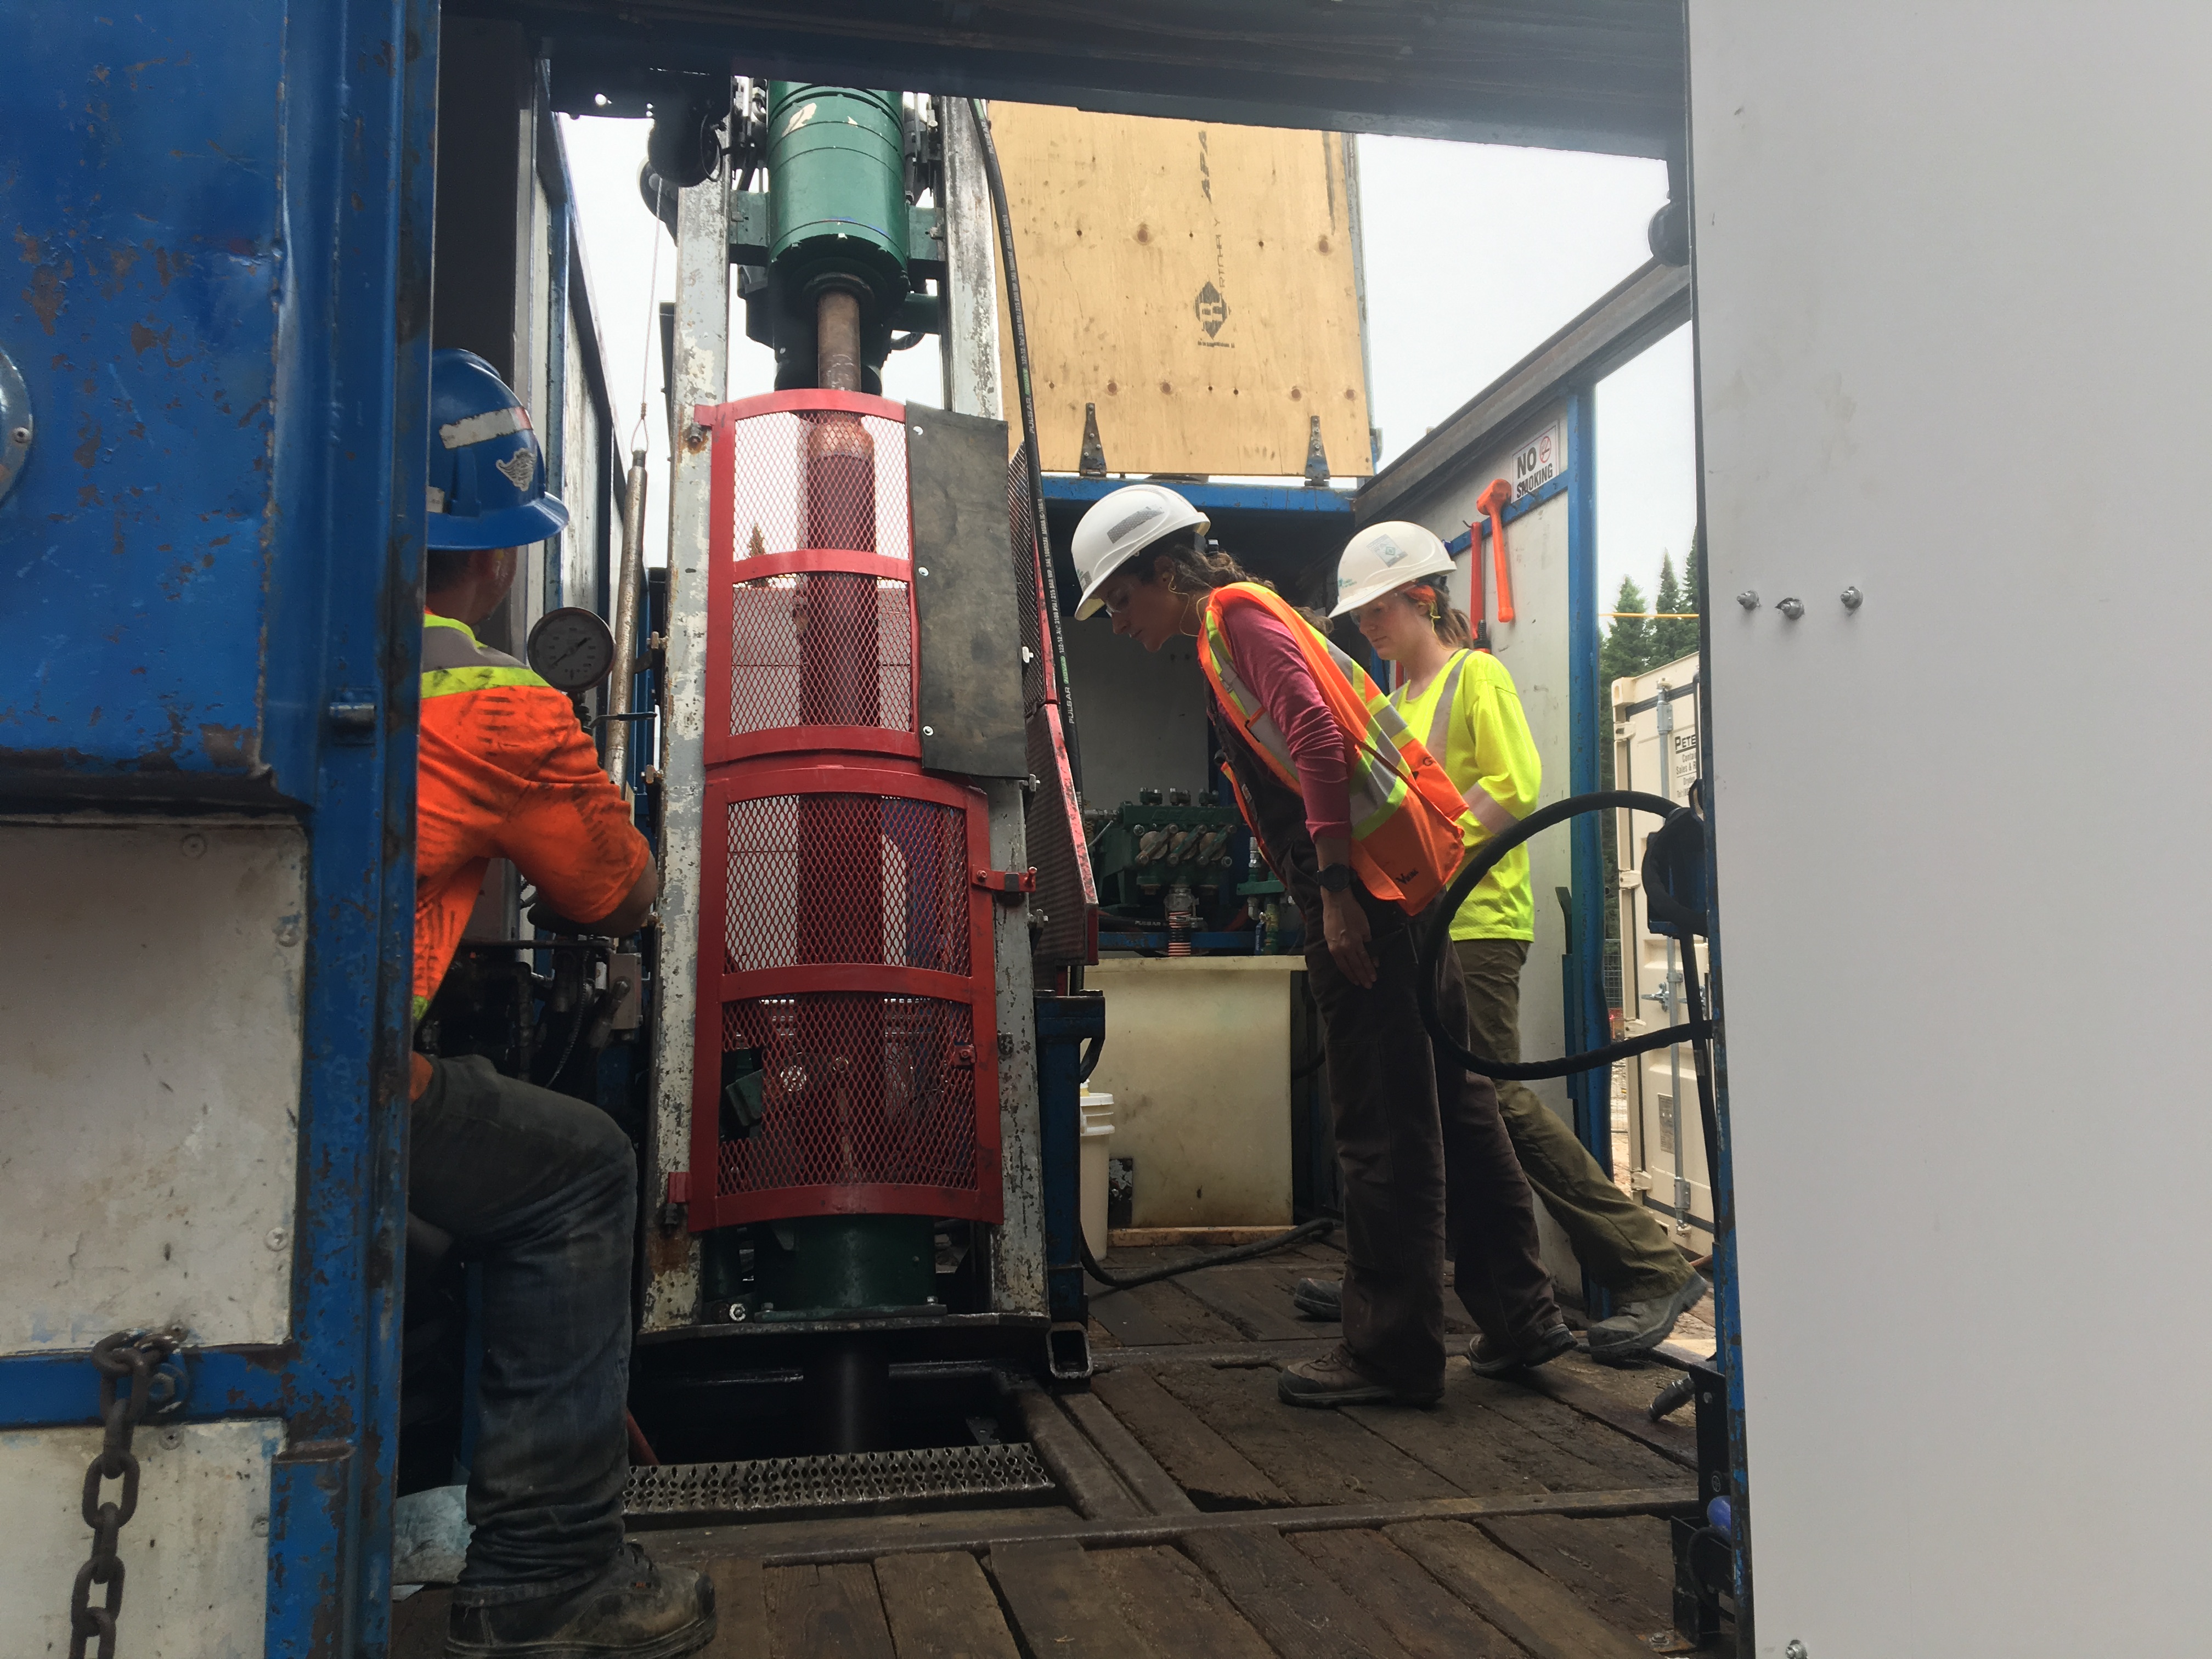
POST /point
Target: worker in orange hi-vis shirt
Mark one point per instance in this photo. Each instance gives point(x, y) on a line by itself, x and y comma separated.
point(538, 1190)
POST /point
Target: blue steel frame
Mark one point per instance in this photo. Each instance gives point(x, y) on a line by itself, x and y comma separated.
point(299, 355)
point(1213, 497)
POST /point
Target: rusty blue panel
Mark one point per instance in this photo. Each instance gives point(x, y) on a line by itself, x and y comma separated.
point(142, 184)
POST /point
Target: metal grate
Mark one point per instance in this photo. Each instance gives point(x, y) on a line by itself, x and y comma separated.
point(818, 478)
point(820, 648)
point(860, 1090)
point(844, 1481)
point(817, 879)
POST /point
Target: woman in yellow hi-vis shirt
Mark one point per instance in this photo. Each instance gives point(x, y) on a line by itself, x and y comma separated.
point(1461, 703)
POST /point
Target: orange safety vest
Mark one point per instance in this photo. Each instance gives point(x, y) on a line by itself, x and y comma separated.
point(1408, 820)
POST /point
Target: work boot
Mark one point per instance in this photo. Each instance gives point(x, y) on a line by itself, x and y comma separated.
point(1640, 1327)
point(1491, 1357)
point(633, 1610)
point(1319, 1298)
point(1335, 1379)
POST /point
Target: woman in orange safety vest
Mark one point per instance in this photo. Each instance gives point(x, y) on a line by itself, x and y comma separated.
point(1364, 830)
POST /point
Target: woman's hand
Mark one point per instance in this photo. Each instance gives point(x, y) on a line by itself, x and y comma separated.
point(1344, 927)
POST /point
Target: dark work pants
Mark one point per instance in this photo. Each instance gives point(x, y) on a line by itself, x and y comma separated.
point(1619, 1243)
point(540, 1191)
point(1403, 1111)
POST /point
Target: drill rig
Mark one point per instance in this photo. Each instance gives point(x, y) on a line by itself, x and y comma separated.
point(875, 891)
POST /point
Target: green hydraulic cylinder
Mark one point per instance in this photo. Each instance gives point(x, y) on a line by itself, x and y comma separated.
point(837, 222)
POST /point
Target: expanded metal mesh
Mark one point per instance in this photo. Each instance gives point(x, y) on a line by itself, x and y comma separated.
point(819, 478)
point(821, 648)
point(816, 879)
point(845, 1480)
point(858, 1090)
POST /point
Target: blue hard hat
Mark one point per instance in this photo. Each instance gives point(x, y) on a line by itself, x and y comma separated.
point(487, 476)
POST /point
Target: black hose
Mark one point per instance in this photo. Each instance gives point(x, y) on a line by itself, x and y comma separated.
point(1436, 940)
point(1019, 330)
point(1297, 1235)
point(1092, 1050)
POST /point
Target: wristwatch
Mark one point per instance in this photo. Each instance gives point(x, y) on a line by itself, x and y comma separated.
point(1334, 878)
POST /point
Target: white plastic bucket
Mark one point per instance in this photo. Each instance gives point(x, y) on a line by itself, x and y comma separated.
point(1090, 1170)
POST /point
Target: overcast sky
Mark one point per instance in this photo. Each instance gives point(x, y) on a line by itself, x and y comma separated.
point(1474, 254)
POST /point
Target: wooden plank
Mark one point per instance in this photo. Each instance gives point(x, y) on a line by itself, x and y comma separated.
point(1315, 1457)
point(1062, 1606)
point(980, 1532)
point(1623, 1570)
point(740, 1609)
point(1131, 1322)
point(1191, 1320)
point(826, 1613)
point(1302, 1613)
point(1071, 1460)
point(1213, 1354)
point(1176, 1607)
point(1255, 1310)
point(1206, 1465)
point(1422, 1616)
point(1605, 1456)
point(1474, 1455)
point(1235, 316)
point(1205, 1238)
point(941, 1606)
point(1535, 1611)
point(1626, 1409)
point(1140, 1472)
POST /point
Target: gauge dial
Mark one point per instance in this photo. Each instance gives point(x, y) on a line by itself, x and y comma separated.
point(571, 649)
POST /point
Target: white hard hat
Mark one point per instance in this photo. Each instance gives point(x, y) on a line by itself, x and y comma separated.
point(1387, 556)
point(1119, 527)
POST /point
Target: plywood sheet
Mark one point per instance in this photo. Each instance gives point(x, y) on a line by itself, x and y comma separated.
point(1194, 281)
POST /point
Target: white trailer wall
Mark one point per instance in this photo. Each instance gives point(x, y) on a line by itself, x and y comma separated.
point(1941, 251)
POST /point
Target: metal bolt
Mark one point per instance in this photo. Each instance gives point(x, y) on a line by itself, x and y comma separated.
point(275, 1238)
point(287, 930)
point(928, 731)
point(172, 1439)
point(1792, 608)
point(737, 1313)
point(1794, 1650)
point(922, 570)
point(1748, 598)
point(19, 436)
point(1852, 598)
point(193, 845)
point(917, 431)
point(1028, 656)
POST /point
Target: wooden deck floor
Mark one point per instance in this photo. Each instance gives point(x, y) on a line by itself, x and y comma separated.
point(1206, 1518)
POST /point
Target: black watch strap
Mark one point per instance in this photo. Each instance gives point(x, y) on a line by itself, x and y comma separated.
point(1334, 878)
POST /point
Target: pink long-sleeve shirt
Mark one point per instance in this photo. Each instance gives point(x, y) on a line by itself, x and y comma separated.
point(1269, 661)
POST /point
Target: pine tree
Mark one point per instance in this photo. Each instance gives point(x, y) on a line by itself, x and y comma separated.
point(1672, 635)
point(1627, 646)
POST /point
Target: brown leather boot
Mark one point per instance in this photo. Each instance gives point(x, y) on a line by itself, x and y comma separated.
point(634, 1610)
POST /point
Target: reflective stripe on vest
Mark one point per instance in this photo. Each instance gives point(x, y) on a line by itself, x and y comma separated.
point(454, 661)
point(1440, 719)
point(1393, 783)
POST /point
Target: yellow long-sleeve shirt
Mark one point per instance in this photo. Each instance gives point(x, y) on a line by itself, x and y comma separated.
point(1485, 744)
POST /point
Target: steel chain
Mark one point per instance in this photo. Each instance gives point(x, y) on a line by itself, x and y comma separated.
point(132, 1354)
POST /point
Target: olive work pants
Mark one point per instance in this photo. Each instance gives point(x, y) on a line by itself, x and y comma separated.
point(1403, 1116)
point(1620, 1243)
point(540, 1191)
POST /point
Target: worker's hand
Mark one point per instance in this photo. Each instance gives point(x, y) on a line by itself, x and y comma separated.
point(1344, 927)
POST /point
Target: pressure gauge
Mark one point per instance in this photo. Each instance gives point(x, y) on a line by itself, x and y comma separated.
point(571, 649)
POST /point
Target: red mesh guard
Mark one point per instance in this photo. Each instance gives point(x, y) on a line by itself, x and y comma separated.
point(803, 478)
point(802, 646)
point(861, 1091)
point(821, 879)
point(843, 938)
